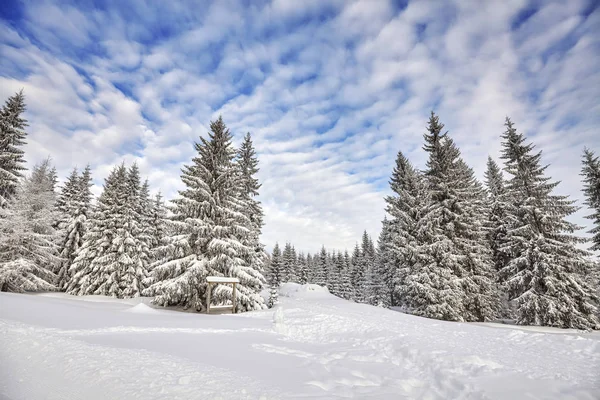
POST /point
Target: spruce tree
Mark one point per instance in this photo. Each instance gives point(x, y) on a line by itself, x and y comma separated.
point(72, 210)
point(452, 278)
point(275, 275)
point(212, 231)
point(405, 206)
point(382, 274)
point(496, 223)
point(289, 263)
point(310, 268)
point(544, 273)
point(591, 180)
point(247, 166)
point(357, 274)
point(302, 269)
point(158, 227)
point(12, 138)
point(321, 268)
point(28, 251)
point(345, 279)
point(112, 260)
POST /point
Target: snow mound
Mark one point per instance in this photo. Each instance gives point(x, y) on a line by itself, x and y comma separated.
point(297, 290)
point(142, 309)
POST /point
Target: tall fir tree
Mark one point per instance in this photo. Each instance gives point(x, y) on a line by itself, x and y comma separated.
point(544, 273)
point(381, 279)
point(590, 171)
point(321, 268)
point(247, 165)
point(345, 279)
point(73, 204)
point(158, 226)
point(112, 260)
point(357, 273)
point(405, 206)
point(275, 275)
point(452, 278)
point(289, 263)
point(12, 138)
point(212, 233)
point(496, 222)
point(302, 269)
point(28, 250)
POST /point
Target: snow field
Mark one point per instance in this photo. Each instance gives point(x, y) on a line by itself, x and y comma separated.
point(312, 345)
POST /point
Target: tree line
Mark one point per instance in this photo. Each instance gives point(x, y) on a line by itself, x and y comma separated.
point(127, 243)
point(459, 250)
point(450, 248)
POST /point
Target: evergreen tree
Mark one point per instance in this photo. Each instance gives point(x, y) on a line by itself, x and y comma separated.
point(289, 263)
point(321, 268)
point(112, 260)
point(381, 275)
point(406, 207)
point(212, 231)
point(345, 279)
point(73, 205)
point(496, 215)
point(544, 273)
point(12, 138)
point(28, 251)
point(452, 279)
point(247, 165)
point(310, 268)
point(336, 265)
point(302, 269)
point(357, 275)
point(275, 275)
point(158, 226)
point(591, 179)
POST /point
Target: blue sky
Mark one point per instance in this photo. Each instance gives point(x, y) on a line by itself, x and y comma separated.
point(330, 90)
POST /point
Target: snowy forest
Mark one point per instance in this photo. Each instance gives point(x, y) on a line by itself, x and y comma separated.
point(450, 247)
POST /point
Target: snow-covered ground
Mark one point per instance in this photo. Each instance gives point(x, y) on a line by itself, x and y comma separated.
point(312, 345)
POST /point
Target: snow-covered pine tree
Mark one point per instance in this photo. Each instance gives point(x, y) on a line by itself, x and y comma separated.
point(28, 251)
point(590, 171)
point(335, 263)
point(345, 279)
point(212, 233)
point(321, 268)
point(496, 226)
point(380, 276)
point(302, 269)
point(289, 263)
point(405, 207)
point(310, 268)
point(247, 165)
point(158, 226)
point(544, 273)
point(68, 226)
point(146, 229)
point(12, 138)
point(112, 260)
point(275, 275)
point(357, 275)
point(496, 223)
point(452, 279)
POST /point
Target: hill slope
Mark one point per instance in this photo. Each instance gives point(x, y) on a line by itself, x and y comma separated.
point(312, 345)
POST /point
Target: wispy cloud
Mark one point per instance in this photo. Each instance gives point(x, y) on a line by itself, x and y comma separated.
point(331, 90)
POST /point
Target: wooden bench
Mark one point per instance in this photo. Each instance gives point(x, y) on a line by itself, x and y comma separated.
point(213, 280)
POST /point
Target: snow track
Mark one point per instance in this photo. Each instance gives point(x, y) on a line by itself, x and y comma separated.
point(313, 346)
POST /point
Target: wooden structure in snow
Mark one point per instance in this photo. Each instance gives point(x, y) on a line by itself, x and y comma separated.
point(211, 280)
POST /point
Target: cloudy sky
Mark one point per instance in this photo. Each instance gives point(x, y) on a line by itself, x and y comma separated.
point(330, 90)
